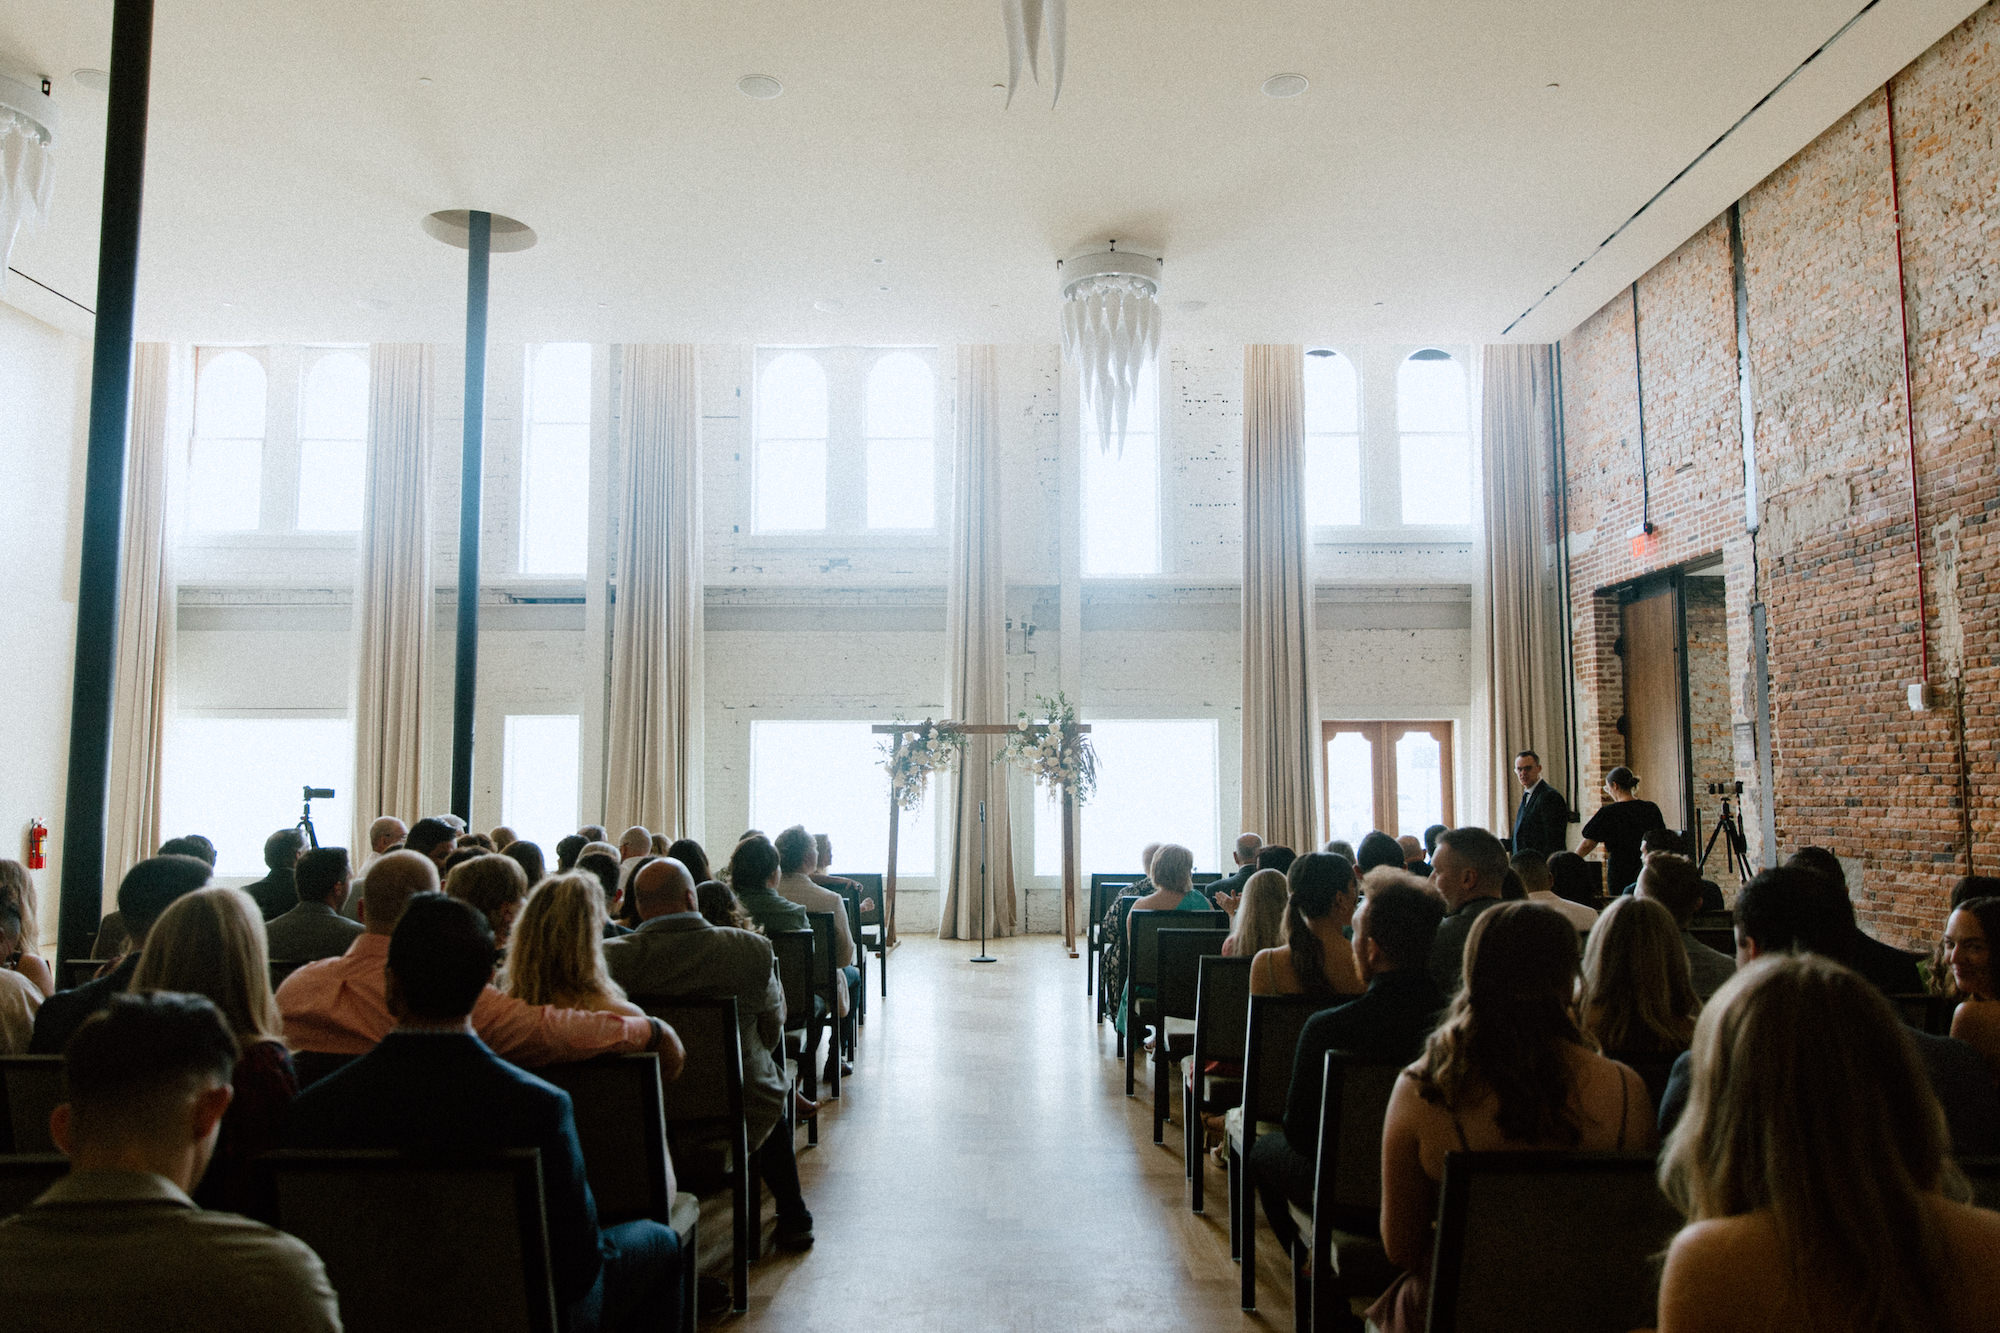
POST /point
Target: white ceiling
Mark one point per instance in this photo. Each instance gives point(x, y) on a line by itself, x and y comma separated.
point(1428, 186)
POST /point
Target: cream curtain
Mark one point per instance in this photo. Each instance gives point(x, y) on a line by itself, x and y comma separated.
point(1523, 667)
point(977, 625)
point(392, 619)
point(654, 743)
point(145, 619)
point(1281, 779)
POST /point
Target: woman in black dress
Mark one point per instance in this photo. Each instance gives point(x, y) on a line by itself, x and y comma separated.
point(1618, 826)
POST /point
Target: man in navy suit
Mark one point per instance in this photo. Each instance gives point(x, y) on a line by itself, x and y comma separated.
point(432, 1086)
point(1543, 822)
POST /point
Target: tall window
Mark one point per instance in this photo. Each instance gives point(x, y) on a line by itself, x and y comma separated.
point(236, 780)
point(555, 460)
point(902, 421)
point(1433, 419)
point(1156, 782)
point(538, 780)
point(1121, 490)
point(226, 460)
point(789, 470)
point(1333, 439)
point(333, 440)
point(829, 777)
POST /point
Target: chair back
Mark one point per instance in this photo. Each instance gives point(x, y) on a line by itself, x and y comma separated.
point(1203, 878)
point(1722, 939)
point(73, 972)
point(1142, 967)
point(1222, 1007)
point(623, 1132)
point(710, 1086)
point(309, 1067)
point(31, 1086)
point(1654, 1068)
point(1105, 890)
point(794, 950)
point(1270, 1042)
point(1538, 1240)
point(1984, 1175)
point(1355, 1103)
point(871, 887)
point(825, 939)
point(478, 1225)
point(1180, 955)
point(1925, 1012)
point(24, 1176)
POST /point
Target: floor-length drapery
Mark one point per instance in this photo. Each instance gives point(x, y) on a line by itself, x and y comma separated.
point(977, 624)
point(654, 724)
point(1523, 661)
point(392, 605)
point(1280, 705)
point(145, 618)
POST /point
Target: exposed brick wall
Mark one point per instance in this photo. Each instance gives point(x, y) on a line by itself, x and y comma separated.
point(1855, 769)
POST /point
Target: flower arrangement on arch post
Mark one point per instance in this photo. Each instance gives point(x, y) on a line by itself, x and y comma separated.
point(1053, 752)
point(912, 756)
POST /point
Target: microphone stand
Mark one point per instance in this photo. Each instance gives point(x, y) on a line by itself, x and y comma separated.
point(983, 957)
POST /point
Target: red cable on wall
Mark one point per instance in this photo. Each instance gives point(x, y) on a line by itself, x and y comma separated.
point(1909, 399)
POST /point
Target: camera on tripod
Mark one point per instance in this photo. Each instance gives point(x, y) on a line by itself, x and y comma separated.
point(1725, 789)
point(305, 824)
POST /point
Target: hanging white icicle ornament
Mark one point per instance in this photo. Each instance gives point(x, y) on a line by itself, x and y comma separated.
point(1028, 22)
point(1111, 330)
point(27, 166)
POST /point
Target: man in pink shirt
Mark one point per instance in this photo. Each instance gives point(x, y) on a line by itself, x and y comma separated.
point(339, 1006)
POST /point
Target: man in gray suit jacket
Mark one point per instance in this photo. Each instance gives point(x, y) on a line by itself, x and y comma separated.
point(315, 929)
point(675, 953)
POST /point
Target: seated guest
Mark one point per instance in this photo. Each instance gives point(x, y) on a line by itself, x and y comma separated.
point(1229, 889)
point(476, 842)
point(19, 997)
point(501, 838)
point(1273, 856)
point(1574, 880)
point(433, 1088)
point(1413, 855)
point(1671, 881)
point(1111, 930)
point(1791, 909)
point(1809, 1204)
point(677, 954)
point(823, 875)
point(1506, 1070)
point(567, 850)
point(753, 877)
point(385, 835)
point(211, 944)
point(1378, 849)
point(1172, 873)
point(496, 886)
point(275, 894)
point(1144, 884)
point(117, 1243)
point(1260, 915)
point(1673, 843)
point(796, 858)
point(147, 890)
point(660, 844)
point(1938, 979)
point(17, 890)
point(189, 844)
point(1393, 929)
point(604, 869)
point(1315, 958)
point(528, 856)
point(339, 1006)
point(628, 907)
point(1888, 967)
point(434, 838)
point(315, 928)
point(1431, 836)
point(1968, 940)
point(1512, 890)
point(1638, 1003)
point(557, 955)
point(689, 853)
point(1468, 868)
point(1342, 848)
point(595, 833)
point(459, 857)
point(1538, 886)
point(635, 842)
point(718, 906)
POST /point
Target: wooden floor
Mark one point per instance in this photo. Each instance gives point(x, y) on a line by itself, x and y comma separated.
point(984, 1169)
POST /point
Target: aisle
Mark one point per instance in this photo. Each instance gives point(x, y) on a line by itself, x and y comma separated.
point(984, 1170)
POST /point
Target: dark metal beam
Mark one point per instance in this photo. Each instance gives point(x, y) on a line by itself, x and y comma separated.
point(95, 671)
point(465, 689)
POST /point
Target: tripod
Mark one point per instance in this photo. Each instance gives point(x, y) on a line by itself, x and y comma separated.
point(1736, 854)
point(305, 824)
point(983, 957)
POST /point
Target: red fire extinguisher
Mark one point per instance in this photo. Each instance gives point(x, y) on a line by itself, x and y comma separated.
point(38, 844)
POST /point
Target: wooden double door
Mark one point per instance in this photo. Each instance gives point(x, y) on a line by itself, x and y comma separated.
point(1393, 776)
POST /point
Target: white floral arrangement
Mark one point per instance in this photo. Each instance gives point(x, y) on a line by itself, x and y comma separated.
point(1054, 752)
point(912, 756)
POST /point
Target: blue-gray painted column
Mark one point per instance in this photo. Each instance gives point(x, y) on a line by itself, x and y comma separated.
point(465, 689)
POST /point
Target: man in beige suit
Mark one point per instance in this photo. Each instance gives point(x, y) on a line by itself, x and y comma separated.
point(676, 954)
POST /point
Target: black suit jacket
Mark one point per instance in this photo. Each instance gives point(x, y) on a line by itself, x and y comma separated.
point(63, 1013)
point(1231, 883)
point(1892, 970)
point(1542, 825)
point(1390, 1021)
point(275, 894)
point(447, 1093)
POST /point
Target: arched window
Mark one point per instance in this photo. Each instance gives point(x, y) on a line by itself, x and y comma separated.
point(789, 482)
point(333, 442)
point(902, 428)
point(226, 461)
point(1333, 439)
point(555, 460)
point(1433, 421)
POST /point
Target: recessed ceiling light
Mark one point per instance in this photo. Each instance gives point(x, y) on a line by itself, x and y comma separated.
point(762, 87)
point(1285, 85)
point(96, 80)
point(1552, 87)
point(883, 288)
point(1381, 303)
point(881, 261)
point(424, 81)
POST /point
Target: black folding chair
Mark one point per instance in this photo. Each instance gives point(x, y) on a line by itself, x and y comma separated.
point(311, 1066)
point(1142, 969)
point(1221, 1021)
point(1270, 1044)
point(1104, 890)
point(1342, 1234)
point(31, 1086)
point(25, 1176)
point(826, 991)
point(1179, 970)
point(1925, 1012)
point(875, 918)
point(803, 1017)
point(73, 972)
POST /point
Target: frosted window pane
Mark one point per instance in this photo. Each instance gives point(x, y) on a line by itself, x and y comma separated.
point(1121, 507)
point(560, 389)
point(1048, 836)
point(901, 490)
point(229, 399)
point(1437, 478)
point(791, 486)
point(828, 776)
point(1333, 403)
point(901, 402)
point(236, 781)
point(538, 782)
point(1333, 479)
point(1430, 395)
point(332, 475)
point(1419, 783)
point(1350, 786)
point(1155, 783)
point(225, 485)
point(555, 517)
point(335, 404)
point(791, 399)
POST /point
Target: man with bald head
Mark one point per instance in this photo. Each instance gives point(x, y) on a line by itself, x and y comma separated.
point(634, 843)
point(676, 954)
point(385, 835)
point(340, 1006)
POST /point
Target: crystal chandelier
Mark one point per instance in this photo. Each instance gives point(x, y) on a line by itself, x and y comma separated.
point(27, 168)
point(1111, 330)
point(1027, 23)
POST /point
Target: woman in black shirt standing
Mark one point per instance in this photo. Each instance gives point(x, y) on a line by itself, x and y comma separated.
point(1618, 826)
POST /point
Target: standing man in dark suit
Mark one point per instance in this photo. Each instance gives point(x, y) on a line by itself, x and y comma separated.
point(433, 1087)
point(1543, 822)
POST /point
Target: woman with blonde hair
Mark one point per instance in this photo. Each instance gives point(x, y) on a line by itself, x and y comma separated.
point(211, 943)
point(1260, 916)
point(1811, 1166)
point(1638, 1000)
point(494, 886)
point(558, 953)
point(17, 890)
